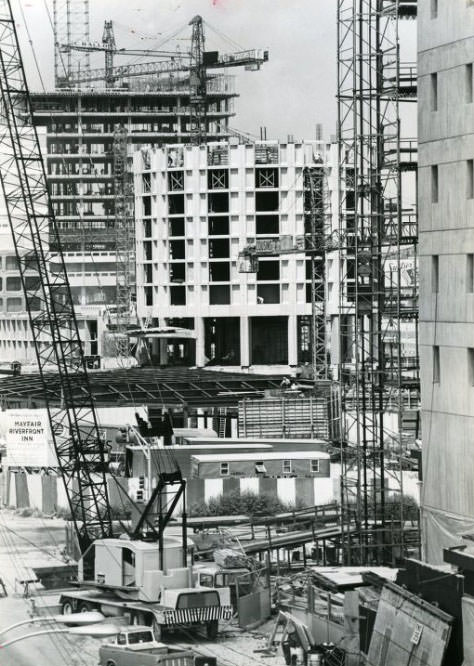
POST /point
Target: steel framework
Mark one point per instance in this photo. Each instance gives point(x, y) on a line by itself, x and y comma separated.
point(74, 429)
point(375, 306)
point(125, 241)
point(317, 211)
point(70, 25)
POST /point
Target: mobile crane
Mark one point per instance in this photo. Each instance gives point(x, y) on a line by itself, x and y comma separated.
point(139, 576)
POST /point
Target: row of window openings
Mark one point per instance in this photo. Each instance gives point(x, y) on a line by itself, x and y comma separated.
point(220, 294)
point(437, 365)
point(218, 226)
point(469, 170)
point(468, 87)
point(218, 179)
point(469, 273)
point(217, 202)
point(286, 467)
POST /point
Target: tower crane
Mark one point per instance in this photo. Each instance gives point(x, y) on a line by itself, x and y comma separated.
point(109, 47)
point(77, 440)
point(74, 429)
point(195, 64)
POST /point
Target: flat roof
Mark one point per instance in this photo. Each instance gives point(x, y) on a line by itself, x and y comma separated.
point(272, 455)
point(263, 440)
point(195, 447)
point(349, 577)
point(173, 387)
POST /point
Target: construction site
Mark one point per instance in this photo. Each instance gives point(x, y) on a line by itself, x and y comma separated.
point(236, 371)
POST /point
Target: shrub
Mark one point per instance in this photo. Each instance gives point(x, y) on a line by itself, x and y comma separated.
point(234, 503)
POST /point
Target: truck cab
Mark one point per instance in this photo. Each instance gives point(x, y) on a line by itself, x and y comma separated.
point(214, 576)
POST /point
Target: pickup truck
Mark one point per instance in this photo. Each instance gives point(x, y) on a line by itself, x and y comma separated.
point(136, 646)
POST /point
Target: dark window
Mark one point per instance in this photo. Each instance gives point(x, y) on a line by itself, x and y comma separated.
point(219, 294)
point(11, 263)
point(148, 273)
point(222, 340)
point(177, 249)
point(434, 9)
point(146, 182)
point(176, 181)
point(219, 248)
point(148, 295)
point(13, 284)
point(266, 201)
point(434, 183)
point(470, 179)
point(178, 272)
point(219, 271)
point(469, 83)
point(218, 202)
point(435, 274)
point(218, 179)
point(470, 365)
point(268, 270)
point(198, 600)
point(470, 273)
point(176, 204)
point(177, 226)
point(434, 91)
point(267, 224)
point(266, 177)
point(147, 228)
point(218, 226)
point(436, 365)
point(177, 295)
point(269, 340)
point(268, 293)
point(148, 250)
point(146, 206)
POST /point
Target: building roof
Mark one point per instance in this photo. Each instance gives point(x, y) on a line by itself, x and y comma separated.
point(247, 441)
point(173, 387)
point(196, 447)
point(270, 455)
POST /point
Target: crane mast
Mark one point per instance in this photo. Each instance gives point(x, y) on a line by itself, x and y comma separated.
point(73, 424)
point(198, 83)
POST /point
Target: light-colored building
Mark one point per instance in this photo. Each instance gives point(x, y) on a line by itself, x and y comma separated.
point(197, 208)
point(446, 225)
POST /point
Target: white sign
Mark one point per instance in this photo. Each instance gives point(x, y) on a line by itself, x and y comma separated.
point(27, 438)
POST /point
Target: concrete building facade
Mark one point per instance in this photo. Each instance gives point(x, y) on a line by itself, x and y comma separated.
point(446, 229)
point(196, 209)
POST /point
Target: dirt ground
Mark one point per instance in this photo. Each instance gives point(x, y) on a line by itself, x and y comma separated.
point(39, 541)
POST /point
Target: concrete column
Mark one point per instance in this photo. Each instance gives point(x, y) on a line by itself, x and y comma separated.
point(163, 351)
point(244, 342)
point(292, 341)
point(200, 348)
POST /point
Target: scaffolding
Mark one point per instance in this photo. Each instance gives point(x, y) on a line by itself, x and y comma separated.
point(378, 294)
point(71, 26)
point(125, 241)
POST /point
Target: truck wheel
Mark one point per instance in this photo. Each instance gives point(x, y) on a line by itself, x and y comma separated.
point(111, 663)
point(67, 608)
point(212, 628)
point(84, 607)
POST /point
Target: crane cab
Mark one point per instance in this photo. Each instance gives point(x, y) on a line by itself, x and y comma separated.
point(132, 568)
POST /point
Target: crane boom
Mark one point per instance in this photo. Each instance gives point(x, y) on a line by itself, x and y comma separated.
point(73, 424)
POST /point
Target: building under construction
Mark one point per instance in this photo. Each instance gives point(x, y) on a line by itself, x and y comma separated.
point(91, 124)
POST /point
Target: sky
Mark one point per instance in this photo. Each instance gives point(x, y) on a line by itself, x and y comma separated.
point(292, 92)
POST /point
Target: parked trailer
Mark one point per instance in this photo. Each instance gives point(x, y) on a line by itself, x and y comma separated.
point(184, 608)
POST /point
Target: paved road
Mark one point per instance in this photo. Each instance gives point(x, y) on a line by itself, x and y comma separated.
point(26, 541)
